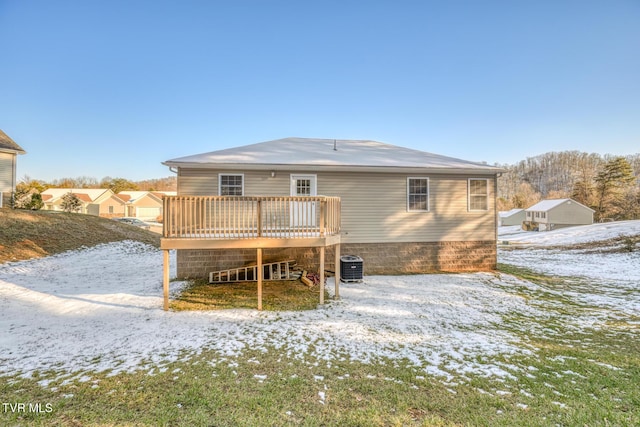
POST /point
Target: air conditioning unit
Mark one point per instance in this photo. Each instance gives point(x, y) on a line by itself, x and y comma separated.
point(351, 268)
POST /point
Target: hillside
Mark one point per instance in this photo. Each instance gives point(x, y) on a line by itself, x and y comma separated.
point(34, 234)
point(608, 184)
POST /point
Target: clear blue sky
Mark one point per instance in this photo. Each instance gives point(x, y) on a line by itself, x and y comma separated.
point(99, 88)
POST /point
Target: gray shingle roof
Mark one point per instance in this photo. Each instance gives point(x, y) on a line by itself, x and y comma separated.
point(312, 152)
point(8, 144)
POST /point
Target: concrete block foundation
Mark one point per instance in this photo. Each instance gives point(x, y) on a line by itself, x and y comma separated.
point(379, 258)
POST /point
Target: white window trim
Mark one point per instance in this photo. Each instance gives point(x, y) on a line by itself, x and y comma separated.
point(428, 194)
point(220, 175)
point(312, 176)
point(469, 194)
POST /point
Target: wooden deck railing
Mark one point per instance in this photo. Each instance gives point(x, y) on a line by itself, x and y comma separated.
point(234, 217)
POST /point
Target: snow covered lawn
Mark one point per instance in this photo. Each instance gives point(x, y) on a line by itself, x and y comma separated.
point(99, 309)
point(487, 349)
point(603, 276)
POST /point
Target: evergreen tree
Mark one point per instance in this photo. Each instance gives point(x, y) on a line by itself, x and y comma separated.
point(583, 192)
point(70, 203)
point(36, 202)
point(613, 184)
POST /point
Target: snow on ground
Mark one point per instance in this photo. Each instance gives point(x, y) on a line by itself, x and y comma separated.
point(603, 278)
point(569, 235)
point(100, 309)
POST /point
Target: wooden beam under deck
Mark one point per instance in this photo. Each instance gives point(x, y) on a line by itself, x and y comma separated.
point(260, 273)
point(165, 278)
point(263, 242)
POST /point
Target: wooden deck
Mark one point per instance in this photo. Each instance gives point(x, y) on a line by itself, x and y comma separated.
point(235, 222)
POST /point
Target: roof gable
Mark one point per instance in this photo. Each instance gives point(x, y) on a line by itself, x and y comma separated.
point(338, 153)
point(134, 197)
point(8, 144)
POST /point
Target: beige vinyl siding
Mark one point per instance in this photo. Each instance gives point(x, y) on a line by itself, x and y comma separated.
point(197, 182)
point(374, 205)
point(7, 177)
point(569, 213)
point(6, 172)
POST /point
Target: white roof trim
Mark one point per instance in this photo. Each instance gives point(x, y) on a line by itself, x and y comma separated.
point(547, 205)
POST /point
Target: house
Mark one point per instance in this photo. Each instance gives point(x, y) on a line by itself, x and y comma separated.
point(145, 205)
point(94, 201)
point(557, 213)
point(511, 217)
point(400, 209)
point(9, 151)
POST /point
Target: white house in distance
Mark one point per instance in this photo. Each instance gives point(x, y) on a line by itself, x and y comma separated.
point(511, 217)
point(144, 205)
point(557, 213)
point(9, 151)
point(94, 201)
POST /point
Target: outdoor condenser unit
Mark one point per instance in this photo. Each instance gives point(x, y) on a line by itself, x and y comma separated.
point(351, 269)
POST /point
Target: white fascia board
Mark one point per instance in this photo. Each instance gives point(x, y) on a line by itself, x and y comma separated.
point(490, 171)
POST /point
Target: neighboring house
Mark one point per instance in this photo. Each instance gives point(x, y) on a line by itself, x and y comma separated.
point(145, 205)
point(557, 213)
point(9, 151)
point(94, 201)
point(400, 209)
point(511, 217)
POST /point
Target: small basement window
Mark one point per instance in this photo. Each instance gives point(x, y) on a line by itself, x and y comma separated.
point(478, 194)
point(418, 194)
point(231, 185)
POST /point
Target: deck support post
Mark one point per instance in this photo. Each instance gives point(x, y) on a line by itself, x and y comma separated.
point(321, 274)
point(165, 278)
point(337, 270)
point(260, 273)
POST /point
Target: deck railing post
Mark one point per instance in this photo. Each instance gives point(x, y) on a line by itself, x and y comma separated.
point(323, 212)
point(165, 216)
point(259, 218)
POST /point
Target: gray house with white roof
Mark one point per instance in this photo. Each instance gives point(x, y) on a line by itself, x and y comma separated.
point(557, 213)
point(511, 217)
point(401, 210)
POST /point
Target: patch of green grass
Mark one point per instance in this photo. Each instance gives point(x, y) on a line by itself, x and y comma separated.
point(277, 295)
point(531, 275)
point(556, 386)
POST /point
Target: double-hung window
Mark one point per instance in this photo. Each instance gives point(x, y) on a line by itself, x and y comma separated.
point(418, 194)
point(478, 194)
point(231, 185)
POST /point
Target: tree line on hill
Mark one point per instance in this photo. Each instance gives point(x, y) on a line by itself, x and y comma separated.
point(610, 185)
